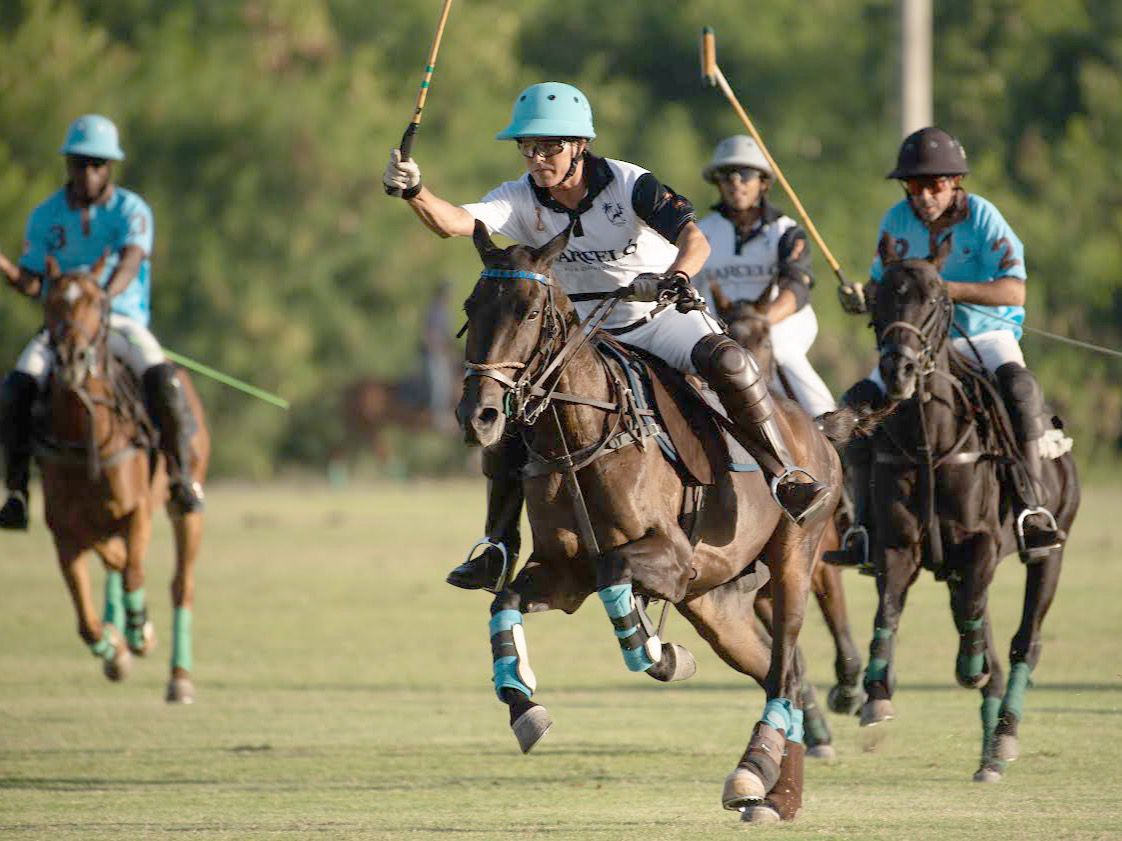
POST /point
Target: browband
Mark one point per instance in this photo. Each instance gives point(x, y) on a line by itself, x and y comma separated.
point(500, 274)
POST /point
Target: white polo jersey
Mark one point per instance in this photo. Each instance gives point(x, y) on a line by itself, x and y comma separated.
point(609, 246)
point(742, 276)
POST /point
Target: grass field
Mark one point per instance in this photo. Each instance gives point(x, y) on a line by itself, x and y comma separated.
point(344, 692)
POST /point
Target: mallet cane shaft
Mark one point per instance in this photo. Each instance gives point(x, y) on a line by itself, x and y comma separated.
point(712, 76)
point(406, 145)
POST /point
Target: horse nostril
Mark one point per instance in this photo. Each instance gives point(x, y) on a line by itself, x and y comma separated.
point(487, 417)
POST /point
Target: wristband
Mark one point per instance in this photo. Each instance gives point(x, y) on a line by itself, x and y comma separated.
point(411, 192)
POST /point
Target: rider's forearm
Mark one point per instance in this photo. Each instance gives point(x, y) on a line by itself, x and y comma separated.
point(1003, 292)
point(693, 251)
point(125, 273)
point(782, 307)
point(440, 216)
point(23, 281)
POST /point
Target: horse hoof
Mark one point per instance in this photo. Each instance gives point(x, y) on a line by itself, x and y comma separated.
point(987, 774)
point(119, 667)
point(180, 691)
point(1005, 748)
point(823, 752)
point(845, 699)
point(876, 711)
point(743, 789)
point(531, 726)
point(147, 643)
point(762, 815)
point(676, 663)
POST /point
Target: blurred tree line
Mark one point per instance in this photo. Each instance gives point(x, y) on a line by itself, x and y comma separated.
point(258, 130)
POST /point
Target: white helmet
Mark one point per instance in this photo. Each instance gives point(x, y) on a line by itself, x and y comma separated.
point(738, 150)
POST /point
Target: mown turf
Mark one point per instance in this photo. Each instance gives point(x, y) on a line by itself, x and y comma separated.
point(343, 692)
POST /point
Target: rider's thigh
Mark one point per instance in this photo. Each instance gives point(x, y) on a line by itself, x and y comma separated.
point(35, 361)
point(792, 337)
point(134, 343)
point(671, 336)
point(995, 347)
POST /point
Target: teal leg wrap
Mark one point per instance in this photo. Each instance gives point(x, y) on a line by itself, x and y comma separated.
point(879, 653)
point(181, 639)
point(797, 733)
point(989, 724)
point(103, 648)
point(114, 600)
point(621, 609)
point(972, 652)
point(781, 714)
point(1020, 679)
point(135, 616)
point(505, 669)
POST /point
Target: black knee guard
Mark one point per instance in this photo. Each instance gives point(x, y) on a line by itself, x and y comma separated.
point(17, 394)
point(733, 373)
point(1024, 399)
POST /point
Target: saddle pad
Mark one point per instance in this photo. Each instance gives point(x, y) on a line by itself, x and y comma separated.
point(693, 441)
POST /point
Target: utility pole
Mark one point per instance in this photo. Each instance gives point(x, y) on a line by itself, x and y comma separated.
point(916, 109)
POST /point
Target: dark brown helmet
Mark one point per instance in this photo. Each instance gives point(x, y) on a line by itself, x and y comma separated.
point(930, 151)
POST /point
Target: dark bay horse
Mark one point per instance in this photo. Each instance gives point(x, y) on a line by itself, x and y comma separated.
point(102, 480)
point(605, 520)
point(939, 501)
point(747, 323)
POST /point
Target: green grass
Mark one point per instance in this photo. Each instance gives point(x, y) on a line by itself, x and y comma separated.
point(344, 692)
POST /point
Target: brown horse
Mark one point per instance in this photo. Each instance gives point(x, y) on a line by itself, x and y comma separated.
point(747, 323)
point(943, 498)
point(102, 480)
point(604, 513)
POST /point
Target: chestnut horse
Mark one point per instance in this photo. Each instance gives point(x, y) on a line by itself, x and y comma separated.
point(102, 479)
point(747, 323)
point(604, 513)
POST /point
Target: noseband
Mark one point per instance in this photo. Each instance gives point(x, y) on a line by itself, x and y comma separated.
point(932, 334)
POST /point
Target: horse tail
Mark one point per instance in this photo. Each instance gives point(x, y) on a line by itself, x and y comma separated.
point(845, 424)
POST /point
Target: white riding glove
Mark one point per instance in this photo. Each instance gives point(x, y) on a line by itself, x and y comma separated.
point(853, 298)
point(401, 175)
point(646, 287)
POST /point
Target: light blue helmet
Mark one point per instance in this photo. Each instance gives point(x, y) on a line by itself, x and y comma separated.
point(550, 109)
point(94, 136)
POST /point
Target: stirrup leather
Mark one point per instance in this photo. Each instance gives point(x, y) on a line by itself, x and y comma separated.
point(486, 542)
point(1019, 529)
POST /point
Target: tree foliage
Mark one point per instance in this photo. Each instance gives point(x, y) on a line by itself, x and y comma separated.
point(258, 129)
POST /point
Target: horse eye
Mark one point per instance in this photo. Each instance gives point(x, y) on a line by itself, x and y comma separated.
point(533, 314)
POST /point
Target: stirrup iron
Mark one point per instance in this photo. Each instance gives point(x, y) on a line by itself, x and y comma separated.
point(1019, 530)
point(485, 542)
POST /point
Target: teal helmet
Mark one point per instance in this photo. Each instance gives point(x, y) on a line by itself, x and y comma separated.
point(550, 109)
point(94, 136)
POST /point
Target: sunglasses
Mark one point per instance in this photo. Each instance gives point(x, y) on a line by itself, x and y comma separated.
point(746, 173)
point(84, 162)
point(546, 147)
point(931, 183)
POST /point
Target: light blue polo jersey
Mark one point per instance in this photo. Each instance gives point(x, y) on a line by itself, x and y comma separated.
point(983, 249)
point(77, 238)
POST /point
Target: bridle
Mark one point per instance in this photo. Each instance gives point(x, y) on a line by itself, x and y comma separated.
point(932, 333)
point(529, 392)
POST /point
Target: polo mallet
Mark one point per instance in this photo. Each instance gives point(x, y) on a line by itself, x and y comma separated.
point(712, 76)
point(411, 130)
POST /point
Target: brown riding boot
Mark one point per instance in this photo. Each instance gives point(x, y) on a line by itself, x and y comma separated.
point(733, 374)
point(491, 569)
point(164, 395)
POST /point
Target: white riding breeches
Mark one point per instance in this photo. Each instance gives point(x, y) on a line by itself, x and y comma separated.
point(671, 336)
point(791, 338)
point(994, 349)
point(129, 341)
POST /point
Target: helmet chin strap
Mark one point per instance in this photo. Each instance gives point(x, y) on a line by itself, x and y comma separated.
point(573, 165)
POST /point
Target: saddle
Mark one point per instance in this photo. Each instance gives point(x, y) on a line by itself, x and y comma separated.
point(127, 402)
point(693, 426)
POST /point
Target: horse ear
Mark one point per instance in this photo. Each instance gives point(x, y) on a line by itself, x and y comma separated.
point(719, 297)
point(886, 248)
point(482, 239)
point(942, 252)
point(545, 255)
point(53, 271)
